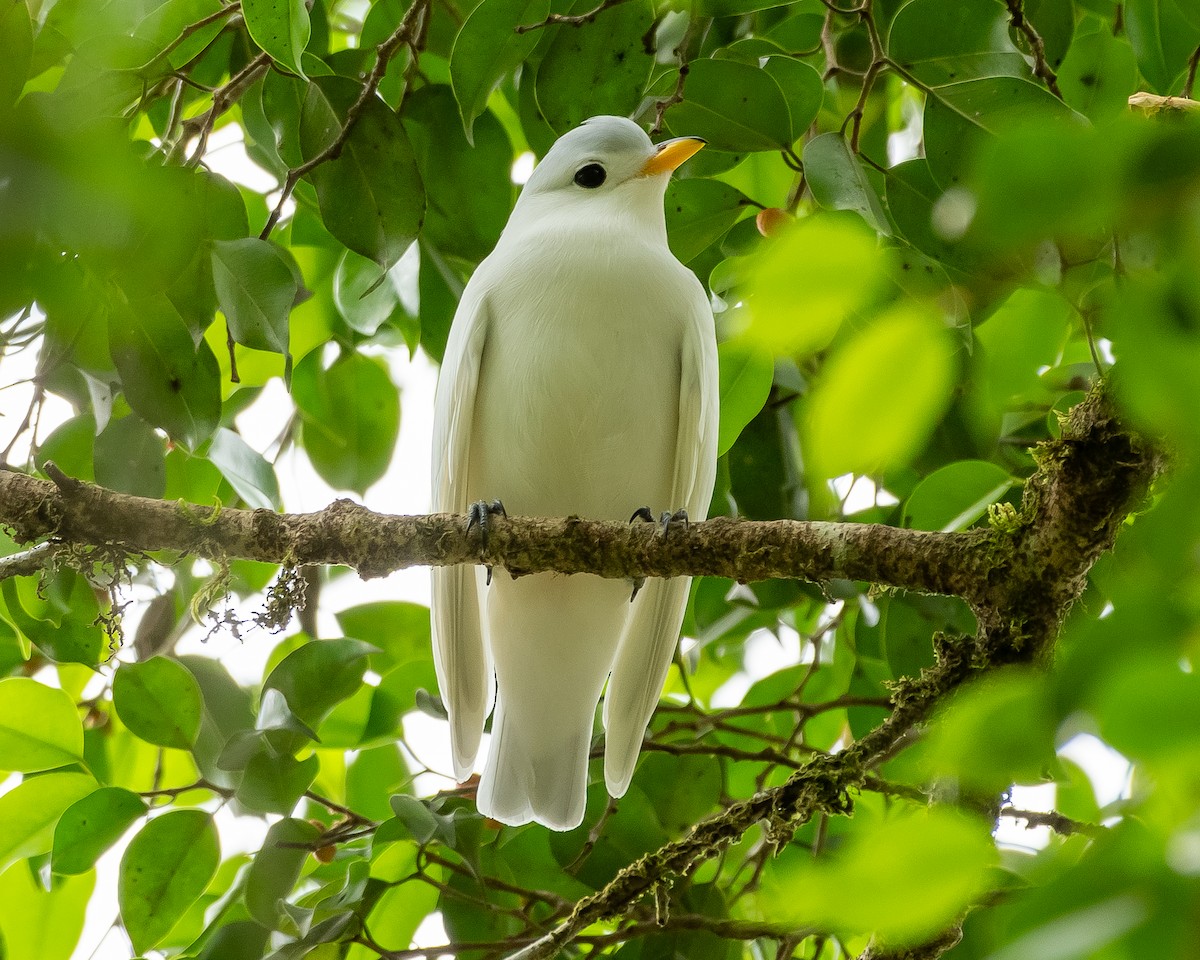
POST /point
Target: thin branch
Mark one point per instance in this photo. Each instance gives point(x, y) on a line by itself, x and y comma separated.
point(32, 561)
point(225, 96)
point(1193, 64)
point(683, 52)
point(403, 35)
point(193, 28)
point(1055, 821)
point(1041, 68)
point(1151, 103)
point(578, 20)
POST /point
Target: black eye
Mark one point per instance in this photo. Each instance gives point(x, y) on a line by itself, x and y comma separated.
point(590, 176)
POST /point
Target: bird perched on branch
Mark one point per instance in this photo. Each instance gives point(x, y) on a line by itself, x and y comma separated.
point(580, 378)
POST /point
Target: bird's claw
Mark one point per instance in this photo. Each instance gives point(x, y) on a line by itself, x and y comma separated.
point(638, 583)
point(642, 513)
point(479, 514)
point(668, 518)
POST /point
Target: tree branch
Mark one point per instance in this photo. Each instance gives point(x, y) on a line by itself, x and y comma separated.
point(345, 533)
point(1041, 67)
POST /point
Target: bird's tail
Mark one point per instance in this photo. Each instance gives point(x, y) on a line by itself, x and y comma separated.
point(536, 770)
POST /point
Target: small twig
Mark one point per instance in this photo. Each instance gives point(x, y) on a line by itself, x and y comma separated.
point(223, 98)
point(194, 28)
point(1041, 68)
point(578, 20)
point(201, 784)
point(1055, 821)
point(412, 22)
point(1193, 64)
point(856, 115)
point(28, 562)
point(683, 53)
point(35, 402)
point(353, 816)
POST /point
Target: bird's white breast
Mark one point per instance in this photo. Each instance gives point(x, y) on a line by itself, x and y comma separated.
point(578, 398)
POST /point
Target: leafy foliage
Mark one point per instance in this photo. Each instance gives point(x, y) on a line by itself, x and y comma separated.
point(927, 226)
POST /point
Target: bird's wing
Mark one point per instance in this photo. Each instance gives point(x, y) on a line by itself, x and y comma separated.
point(648, 645)
point(464, 671)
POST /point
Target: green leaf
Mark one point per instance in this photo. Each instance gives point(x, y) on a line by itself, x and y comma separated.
point(1027, 332)
point(371, 195)
point(91, 825)
point(956, 495)
point(275, 870)
point(351, 418)
point(363, 293)
point(700, 212)
point(800, 32)
point(256, 289)
point(962, 116)
point(746, 374)
point(600, 69)
point(159, 700)
point(401, 632)
point(734, 8)
point(71, 447)
point(1097, 74)
point(170, 381)
point(838, 181)
point(165, 23)
point(488, 48)
point(912, 194)
point(16, 37)
point(734, 106)
point(39, 727)
point(41, 923)
point(909, 622)
point(416, 816)
point(1163, 33)
point(281, 28)
point(239, 940)
point(247, 471)
point(802, 88)
point(1150, 710)
point(994, 732)
point(1067, 178)
point(808, 280)
point(319, 675)
point(461, 223)
point(62, 639)
point(131, 457)
point(860, 417)
point(275, 784)
point(29, 812)
point(945, 41)
point(164, 871)
point(913, 874)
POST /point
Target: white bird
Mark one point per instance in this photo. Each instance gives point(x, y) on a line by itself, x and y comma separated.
point(580, 378)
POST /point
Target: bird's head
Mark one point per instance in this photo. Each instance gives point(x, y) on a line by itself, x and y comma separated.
point(606, 165)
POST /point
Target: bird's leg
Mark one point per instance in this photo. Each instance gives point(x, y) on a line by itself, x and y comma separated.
point(641, 513)
point(480, 514)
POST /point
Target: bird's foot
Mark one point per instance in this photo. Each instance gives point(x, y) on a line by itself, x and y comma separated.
point(642, 513)
point(479, 514)
point(668, 518)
